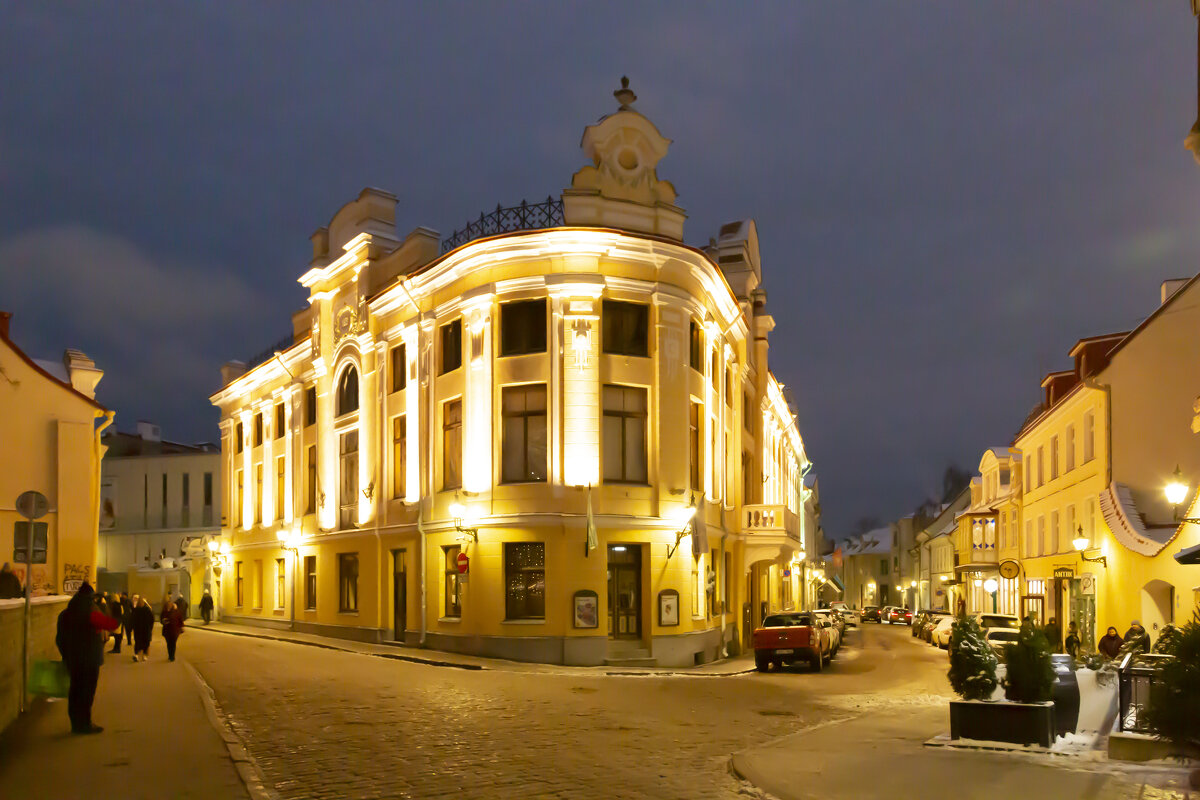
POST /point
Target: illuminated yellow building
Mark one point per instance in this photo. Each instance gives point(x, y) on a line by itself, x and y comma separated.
point(50, 426)
point(563, 398)
point(987, 535)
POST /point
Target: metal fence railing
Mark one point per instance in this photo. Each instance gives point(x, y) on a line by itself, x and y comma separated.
point(523, 217)
point(1136, 675)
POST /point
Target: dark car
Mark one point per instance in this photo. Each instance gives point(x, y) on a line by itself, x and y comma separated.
point(870, 614)
point(896, 615)
point(918, 623)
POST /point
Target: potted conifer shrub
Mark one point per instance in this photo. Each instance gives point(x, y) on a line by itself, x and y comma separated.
point(1173, 712)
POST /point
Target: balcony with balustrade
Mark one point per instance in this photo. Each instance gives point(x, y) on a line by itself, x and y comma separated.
point(772, 532)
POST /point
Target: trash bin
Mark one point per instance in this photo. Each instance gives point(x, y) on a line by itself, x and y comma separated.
point(1066, 694)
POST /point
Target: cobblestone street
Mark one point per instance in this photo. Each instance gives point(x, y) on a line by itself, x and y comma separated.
point(324, 723)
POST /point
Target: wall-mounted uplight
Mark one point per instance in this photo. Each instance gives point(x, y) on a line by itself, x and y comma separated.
point(459, 512)
point(1081, 543)
point(683, 518)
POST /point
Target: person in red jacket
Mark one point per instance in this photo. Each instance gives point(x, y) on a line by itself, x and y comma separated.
point(172, 627)
point(80, 640)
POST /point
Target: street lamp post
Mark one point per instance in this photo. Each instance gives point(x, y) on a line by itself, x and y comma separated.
point(991, 586)
point(289, 541)
point(218, 557)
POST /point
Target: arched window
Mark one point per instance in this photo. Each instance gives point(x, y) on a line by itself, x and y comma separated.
point(347, 392)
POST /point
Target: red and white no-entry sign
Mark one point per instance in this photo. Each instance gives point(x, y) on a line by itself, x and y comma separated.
point(463, 563)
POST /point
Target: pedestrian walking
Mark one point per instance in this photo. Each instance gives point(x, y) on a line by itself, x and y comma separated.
point(127, 616)
point(80, 639)
point(117, 613)
point(10, 584)
point(143, 628)
point(1072, 643)
point(172, 628)
point(182, 604)
point(206, 607)
point(1136, 631)
point(1110, 643)
point(1053, 634)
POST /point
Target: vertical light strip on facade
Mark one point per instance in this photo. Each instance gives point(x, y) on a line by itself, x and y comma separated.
point(247, 498)
point(477, 388)
point(412, 418)
point(367, 446)
point(581, 392)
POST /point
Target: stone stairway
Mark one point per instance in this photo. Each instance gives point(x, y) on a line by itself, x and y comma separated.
point(628, 653)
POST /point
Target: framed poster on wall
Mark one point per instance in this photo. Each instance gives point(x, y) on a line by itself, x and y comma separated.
point(587, 610)
point(668, 607)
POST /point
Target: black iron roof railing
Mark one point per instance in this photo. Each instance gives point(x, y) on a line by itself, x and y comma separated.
point(525, 217)
point(269, 353)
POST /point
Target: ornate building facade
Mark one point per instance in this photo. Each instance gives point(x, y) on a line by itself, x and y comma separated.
point(552, 437)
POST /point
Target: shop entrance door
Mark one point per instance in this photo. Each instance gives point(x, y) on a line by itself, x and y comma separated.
point(399, 595)
point(624, 591)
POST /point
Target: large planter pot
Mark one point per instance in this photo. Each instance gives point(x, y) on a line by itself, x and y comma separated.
point(1018, 723)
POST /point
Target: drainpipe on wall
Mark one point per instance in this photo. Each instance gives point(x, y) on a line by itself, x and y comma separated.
point(98, 451)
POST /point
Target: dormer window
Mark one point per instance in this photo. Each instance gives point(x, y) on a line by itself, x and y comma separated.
point(347, 391)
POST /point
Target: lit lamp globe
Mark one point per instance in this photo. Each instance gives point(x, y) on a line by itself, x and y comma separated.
point(1176, 491)
point(1080, 541)
point(990, 585)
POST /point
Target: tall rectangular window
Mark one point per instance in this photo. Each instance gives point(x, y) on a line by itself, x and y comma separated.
point(452, 444)
point(725, 573)
point(239, 585)
point(694, 469)
point(1041, 464)
point(347, 582)
point(258, 583)
point(1041, 536)
point(749, 412)
point(1027, 469)
point(280, 480)
point(348, 486)
point(695, 346)
point(1029, 543)
point(525, 580)
point(399, 456)
point(1052, 539)
point(451, 347)
point(280, 582)
point(523, 445)
point(523, 327)
point(451, 600)
point(310, 406)
point(1091, 521)
point(624, 448)
point(1071, 528)
point(164, 500)
point(1089, 436)
point(696, 584)
point(185, 502)
point(279, 422)
point(1053, 457)
point(310, 582)
point(399, 365)
point(626, 328)
point(258, 429)
point(258, 493)
point(208, 499)
point(241, 437)
point(310, 481)
point(1069, 447)
point(237, 498)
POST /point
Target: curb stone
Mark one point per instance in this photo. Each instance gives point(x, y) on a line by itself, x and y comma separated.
point(246, 767)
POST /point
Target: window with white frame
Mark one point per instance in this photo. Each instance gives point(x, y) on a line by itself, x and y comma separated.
point(523, 433)
point(1089, 436)
point(624, 432)
point(1069, 447)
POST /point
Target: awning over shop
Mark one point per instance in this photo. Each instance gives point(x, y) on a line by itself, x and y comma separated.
point(1189, 555)
point(837, 584)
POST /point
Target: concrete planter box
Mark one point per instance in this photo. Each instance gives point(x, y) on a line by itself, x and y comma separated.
point(1018, 723)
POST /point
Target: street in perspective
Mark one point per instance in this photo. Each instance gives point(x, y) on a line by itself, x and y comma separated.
point(633, 402)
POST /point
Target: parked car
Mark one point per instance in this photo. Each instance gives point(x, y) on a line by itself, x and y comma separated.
point(1006, 621)
point(907, 616)
point(998, 638)
point(918, 623)
point(792, 637)
point(885, 614)
point(898, 615)
point(941, 632)
point(869, 614)
point(849, 616)
point(835, 620)
point(934, 618)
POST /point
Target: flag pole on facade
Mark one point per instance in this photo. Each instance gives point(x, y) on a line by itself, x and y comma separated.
point(591, 543)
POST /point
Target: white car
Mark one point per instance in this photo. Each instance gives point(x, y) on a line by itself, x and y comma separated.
point(997, 638)
point(990, 622)
point(941, 632)
point(835, 633)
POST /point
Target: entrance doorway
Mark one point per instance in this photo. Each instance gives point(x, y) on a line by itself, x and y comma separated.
point(624, 591)
point(399, 595)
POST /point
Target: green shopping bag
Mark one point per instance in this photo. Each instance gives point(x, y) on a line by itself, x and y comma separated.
point(49, 678)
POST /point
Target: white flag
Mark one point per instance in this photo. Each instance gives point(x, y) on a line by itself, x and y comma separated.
point(591, 543)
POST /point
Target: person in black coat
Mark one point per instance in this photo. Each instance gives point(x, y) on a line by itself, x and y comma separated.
point(1135, 631)
point(80, 640)
point(143, 629)
point(127, 616)
point(1110, 644)
point(10, 584)
point(206, 607)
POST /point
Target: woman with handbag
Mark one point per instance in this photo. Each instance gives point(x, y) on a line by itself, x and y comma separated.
point(172, 625)
point(82, 629)
point(143, 629)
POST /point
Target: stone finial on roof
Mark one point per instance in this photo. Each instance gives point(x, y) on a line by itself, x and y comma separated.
point(625, 95)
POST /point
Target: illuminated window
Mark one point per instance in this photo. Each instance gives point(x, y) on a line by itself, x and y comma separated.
point(310, 406)
point(280, 580)
point(523, 327)
point(399, 368)
point(452, 444)
point(279, 425)
point(258, 583)
point(258, 493)
point(241, 437)
point(694, 472)
point(239, 585)
point(452, 600)
point(399, 455)
point(626, 329)
point(310, 582)
point(258, 429)
point(695, 346)
point(624, 448)
point(347, 582)
point(523, 446)
point(347, 392)
point(348, 502)
point(310, 488)
point(525, 580)
point(279, 485)
point(451, 350)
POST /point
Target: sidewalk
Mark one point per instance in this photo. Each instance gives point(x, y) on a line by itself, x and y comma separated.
point(882, 755)
point(159, 740)
point(438, 658)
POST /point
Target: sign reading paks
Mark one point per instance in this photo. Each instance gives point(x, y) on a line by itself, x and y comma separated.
point(21, 542)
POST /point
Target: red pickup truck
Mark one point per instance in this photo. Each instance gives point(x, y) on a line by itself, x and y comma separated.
point(790, 637)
